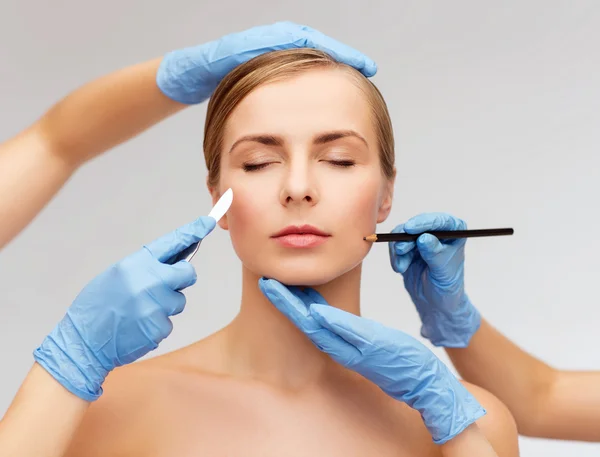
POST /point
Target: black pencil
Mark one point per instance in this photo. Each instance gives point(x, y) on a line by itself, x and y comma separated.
point(440, 234)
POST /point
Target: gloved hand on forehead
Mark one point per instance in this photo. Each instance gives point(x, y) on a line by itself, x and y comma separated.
point(433, 274)
point(401, 366)
point(122, 314)
point(190, 75)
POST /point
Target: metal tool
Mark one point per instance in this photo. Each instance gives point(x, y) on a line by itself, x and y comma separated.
point(216, 213)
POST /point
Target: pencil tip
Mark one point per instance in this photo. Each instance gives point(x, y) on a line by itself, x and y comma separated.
point(371, 238)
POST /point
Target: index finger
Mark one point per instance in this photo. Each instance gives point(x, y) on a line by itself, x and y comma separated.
point(434, 221)
point(291, 301)
point(171, 244)
point(340, 51)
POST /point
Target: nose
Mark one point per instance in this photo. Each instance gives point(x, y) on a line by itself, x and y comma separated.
point(299, 186)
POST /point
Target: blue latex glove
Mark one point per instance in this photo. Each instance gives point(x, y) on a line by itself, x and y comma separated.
point(400, 365)
point(190, 75)
point(434, 278)
point(122, 314)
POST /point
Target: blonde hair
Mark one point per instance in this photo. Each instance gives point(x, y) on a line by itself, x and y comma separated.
point(278, 65)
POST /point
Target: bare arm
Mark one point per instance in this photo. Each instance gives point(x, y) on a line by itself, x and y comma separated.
point(545, 402)
point(36, 163)
point(33, 167)
point(42, 418)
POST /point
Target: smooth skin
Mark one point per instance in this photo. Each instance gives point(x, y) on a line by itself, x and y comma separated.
point(545, 402)
point(104, 113)
point(394, 361)
point(259, 379)
point(259, 376)
point(47, 154)
point(36, 163)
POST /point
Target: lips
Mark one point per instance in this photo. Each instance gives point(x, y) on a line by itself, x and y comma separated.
point(304, 236)
point(300, 230)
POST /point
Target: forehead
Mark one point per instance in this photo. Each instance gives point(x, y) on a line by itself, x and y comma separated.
point(313, 101)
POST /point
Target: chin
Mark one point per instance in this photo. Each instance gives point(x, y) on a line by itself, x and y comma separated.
point(301, 278)
point(305, 272)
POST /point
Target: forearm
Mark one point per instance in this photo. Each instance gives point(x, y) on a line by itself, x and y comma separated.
point(35, 164)
point(29, 177)
point(42, 418)
point(544, 402)
point(471, 442)
point(573, 408)
point(106, 112)
point(493, 362)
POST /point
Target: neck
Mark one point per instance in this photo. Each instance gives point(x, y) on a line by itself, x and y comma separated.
point(265, 345)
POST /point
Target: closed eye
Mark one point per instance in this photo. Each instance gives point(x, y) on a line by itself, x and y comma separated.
point(342, 163)
point(255, 167)
point(337, 163)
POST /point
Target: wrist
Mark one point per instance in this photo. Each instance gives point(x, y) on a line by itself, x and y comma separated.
point(68, 360)
point(453, 328)
point(446, 406)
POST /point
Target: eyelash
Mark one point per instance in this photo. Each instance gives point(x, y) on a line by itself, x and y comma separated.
point(342, 163)
point(337, 163)
point(252, 167)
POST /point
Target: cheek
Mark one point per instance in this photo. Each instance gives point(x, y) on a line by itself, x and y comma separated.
point(244, 213)
point(355, 203)
point(248, 217)
point(353, 211)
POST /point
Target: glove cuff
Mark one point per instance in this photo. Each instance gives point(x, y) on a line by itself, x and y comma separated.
point(71, 363)
point(465, 414)
point(446, 406)
point(454, 331)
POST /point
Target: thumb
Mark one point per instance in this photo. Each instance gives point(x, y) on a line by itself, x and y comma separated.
point(173, 243)
point(431, 249)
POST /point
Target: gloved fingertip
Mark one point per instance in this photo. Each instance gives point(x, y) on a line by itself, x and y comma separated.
point(425, 238)
point(185, 267)
point(400, 267)
point(421, 223)
point(428, 241)
point(370, 68)
point(205, 224)
point(266, 282)
point(401, 262)
point(402, 247)
point(264, 285)
point(414, 226)
point(398, 229)
point(274, 290)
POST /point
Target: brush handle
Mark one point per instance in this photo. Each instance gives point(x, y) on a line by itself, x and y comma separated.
point(444, 235)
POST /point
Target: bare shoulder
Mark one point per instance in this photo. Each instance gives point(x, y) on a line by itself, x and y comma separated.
point(138, 398)
point(115, 421)
point(498, 424)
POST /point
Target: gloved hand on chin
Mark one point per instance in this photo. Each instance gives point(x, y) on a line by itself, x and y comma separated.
point(401, 366)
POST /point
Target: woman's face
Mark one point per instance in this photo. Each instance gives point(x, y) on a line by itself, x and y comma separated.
point(301, 156)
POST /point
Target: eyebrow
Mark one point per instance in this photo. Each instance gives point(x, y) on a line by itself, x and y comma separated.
point(328, 137)
point(267, 140)
point(322, 138)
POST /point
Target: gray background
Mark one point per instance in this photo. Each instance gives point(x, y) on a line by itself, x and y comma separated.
point(495, 109)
